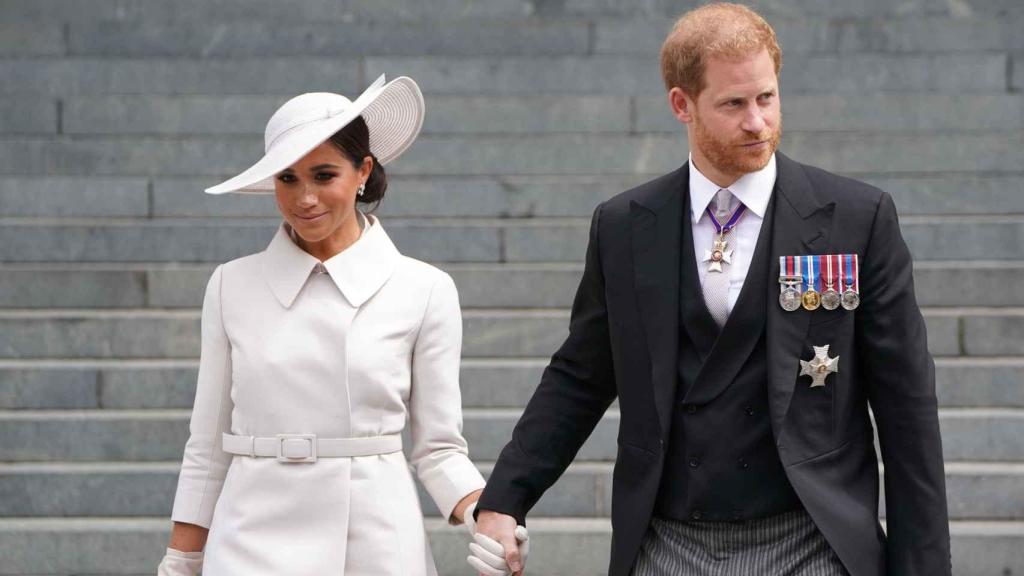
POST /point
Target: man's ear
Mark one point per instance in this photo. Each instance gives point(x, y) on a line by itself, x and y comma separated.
point(682, 105)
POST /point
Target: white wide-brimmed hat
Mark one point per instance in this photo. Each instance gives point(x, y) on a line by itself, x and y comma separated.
point(393, 112)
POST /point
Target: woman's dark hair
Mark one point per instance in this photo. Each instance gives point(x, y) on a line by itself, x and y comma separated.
point(354, 143)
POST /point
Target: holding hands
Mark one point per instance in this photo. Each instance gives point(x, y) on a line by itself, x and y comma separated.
point(499, 546)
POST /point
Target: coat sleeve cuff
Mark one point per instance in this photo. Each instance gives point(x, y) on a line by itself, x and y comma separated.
point(194, 502)
point(450, 482)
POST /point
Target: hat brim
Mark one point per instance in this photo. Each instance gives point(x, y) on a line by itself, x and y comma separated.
point(393, 113)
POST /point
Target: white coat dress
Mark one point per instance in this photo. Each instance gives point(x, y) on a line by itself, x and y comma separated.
point(354, 352)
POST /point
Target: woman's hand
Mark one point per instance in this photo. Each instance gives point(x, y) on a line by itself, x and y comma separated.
point(184, 556)
point(464, 511)
point(178, 563)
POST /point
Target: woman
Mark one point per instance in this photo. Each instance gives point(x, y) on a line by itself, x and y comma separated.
point(314, 353)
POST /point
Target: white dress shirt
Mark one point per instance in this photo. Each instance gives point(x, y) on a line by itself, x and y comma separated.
point(753, 190)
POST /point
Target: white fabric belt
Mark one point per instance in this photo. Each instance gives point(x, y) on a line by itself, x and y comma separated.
point(308, 448)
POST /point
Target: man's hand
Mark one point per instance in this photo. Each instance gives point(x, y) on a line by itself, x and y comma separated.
point(499, 545)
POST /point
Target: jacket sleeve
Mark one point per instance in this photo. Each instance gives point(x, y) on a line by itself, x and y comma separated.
point(205, 464)
point(439, 452)
point(575, 390)
point(894, 361)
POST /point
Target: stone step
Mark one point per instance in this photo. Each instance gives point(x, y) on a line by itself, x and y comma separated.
point(59, 11)
point(987, 491)
point(504, 36)
point(207, 38)
point(297, 11)
point(974, 434)
point(791, 8)
point(27, 115)
point(896, 154)
point(38, 39)
point(461, 240)
point(559, 546)
point(446, 197)
point(170, 334)
point(151, 35)
point(975, 72)
point(247, 115)
point(938, 283)
point(910, 33)
point(485, 382)
point(850, 73)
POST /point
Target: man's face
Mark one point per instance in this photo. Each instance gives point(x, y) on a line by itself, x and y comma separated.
point(737, 121)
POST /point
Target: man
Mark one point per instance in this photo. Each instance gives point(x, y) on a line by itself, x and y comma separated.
point(745, 310)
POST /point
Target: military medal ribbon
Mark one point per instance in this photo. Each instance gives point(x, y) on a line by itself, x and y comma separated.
point(851, 282)
point(811, 299)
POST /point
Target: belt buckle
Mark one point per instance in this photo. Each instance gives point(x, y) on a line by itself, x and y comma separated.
point(293, 452)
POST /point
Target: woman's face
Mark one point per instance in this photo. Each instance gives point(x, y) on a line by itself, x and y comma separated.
point(317, 194)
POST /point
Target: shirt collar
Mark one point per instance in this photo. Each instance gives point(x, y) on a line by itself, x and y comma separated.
point(359, 271)
point(753, 189)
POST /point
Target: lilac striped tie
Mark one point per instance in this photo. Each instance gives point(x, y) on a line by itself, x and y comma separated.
point(716, 284)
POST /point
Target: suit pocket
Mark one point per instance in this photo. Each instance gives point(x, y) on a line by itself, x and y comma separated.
point(631, 465)
point(812, 412)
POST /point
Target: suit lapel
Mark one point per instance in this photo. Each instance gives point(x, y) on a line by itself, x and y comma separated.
point(655, 220)
point(803, 223)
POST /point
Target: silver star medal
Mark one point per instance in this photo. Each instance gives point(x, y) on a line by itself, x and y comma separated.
point(717, 255)
point(819, 367)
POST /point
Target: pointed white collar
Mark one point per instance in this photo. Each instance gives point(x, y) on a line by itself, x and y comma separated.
point(358, 271)
point(753, 189)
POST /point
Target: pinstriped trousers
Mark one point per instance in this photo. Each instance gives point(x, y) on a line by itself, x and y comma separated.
point(785, 545)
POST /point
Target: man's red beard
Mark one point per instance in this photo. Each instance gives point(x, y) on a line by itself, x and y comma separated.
point(732, 158)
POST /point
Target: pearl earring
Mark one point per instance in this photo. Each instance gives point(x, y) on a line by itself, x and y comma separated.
point(361, 190)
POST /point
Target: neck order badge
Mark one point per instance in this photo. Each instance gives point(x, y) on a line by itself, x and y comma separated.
point(719, 252)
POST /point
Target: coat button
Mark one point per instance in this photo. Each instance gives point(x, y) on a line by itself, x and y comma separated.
point(694, 462)
point(691, 408)
point(749, 410)
point(744, 464)
point(696, 515)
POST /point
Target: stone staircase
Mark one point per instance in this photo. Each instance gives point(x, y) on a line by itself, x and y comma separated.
point(115, 114)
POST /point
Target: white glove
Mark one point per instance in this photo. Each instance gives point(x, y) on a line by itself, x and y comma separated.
point(178, 563)
point(488, 557)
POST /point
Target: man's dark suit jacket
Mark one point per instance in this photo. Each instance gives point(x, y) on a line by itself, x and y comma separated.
point(624, 342)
